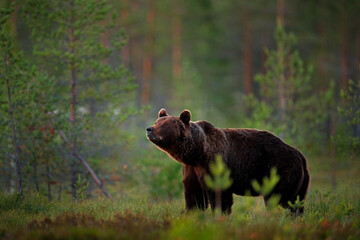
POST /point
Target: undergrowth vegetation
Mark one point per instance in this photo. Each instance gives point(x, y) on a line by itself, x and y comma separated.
point(327, 216)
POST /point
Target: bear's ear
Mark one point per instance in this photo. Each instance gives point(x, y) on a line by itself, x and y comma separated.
point(162, 113)
point(185, 116)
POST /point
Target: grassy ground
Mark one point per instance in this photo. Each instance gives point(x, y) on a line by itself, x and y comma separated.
point(328, 215)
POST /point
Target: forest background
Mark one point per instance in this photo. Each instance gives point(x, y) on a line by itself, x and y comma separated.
point(81, 81)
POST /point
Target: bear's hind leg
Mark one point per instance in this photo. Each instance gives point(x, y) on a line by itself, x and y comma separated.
point(303, 191)
point(195, 196)
point(225, 198)
point(226, 202)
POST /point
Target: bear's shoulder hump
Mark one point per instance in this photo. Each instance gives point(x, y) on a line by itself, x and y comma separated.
point(205, 125)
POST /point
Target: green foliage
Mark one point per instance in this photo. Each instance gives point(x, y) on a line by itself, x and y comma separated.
point(26, 102)
point(196, 226)
point(75, 43)
point(12, 86)
point(220, 175)
point(158, 176)
point(297, 204)
point(286, 106)
point(34, 205)
point(261, 115)
point(81, 186)
point(67, 35)
point(166, 181)
point(351, 112)
point(268, 185)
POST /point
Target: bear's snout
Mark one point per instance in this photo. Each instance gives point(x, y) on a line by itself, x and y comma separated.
point(150, 133)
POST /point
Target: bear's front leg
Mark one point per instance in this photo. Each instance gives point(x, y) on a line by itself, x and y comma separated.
point(195, 196)
point(225, 198)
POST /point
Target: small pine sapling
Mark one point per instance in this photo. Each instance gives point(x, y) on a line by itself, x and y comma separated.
point(298, 204)
point(81, 186)
point(219, 180)
point(267, 187)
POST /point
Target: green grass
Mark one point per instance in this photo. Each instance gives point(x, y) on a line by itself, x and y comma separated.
point(328, 215)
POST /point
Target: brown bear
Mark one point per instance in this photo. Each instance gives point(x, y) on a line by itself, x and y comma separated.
point(250, 154)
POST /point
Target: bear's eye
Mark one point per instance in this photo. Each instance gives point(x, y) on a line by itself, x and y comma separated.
point(164, 125)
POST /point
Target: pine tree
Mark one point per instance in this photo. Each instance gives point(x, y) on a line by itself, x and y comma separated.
point(96, 96)
point(287, 103)
point(351, 111)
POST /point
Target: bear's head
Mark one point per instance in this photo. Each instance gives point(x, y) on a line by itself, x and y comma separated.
point(169, 131)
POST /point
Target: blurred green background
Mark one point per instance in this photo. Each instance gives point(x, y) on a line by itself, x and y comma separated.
point(284, 66)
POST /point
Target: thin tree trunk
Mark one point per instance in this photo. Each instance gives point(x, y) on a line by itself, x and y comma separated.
point(281, 86)
point(73, 165)
point(281, 55)
point(280, 11)
point(176, 38)
point(135, 52)
point(125, 15)
point(344, 51)
point(247, 57)
point(324, 79)
point(73, 94)
point(17, 149)
point(322, 33)
point(16, 146)
point(265, 43)
point(148, 58)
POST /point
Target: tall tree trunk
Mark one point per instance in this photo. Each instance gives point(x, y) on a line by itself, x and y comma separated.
point(17, 149)
point(344, 51)
point(265, 44)
point(247, 57)
point(148, 58)
point(281, 55)
point(135, 53)
point(281, 87)
point(73, 95)
point(125, 51)
point(73, 165)
point(176, 38)
point(322, 61)
point(280, 11)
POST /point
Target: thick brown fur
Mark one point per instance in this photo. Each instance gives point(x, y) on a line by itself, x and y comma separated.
point(248, 153)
